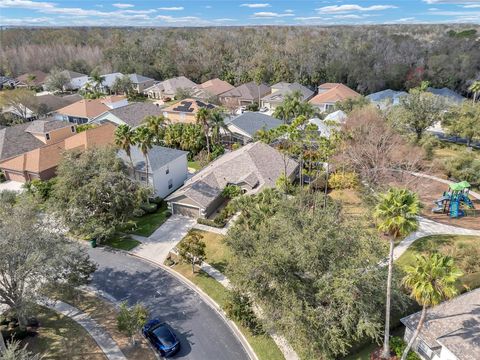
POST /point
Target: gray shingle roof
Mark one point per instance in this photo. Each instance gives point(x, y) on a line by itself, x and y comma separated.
point(248, 91)
point(284, 88)
point(257, 164)
point(384, 95)
point(251, 122)
point(73, 74)
point(446, 93)
point(138, 79)
point(18, 139)
point(134, 114)
point(454, 323)
point(53, 102)
point(158, 157)
point(170, 86)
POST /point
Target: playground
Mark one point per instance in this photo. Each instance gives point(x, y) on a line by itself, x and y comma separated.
point(433, 195)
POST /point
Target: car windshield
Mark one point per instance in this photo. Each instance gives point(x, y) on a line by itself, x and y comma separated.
point(163, 334)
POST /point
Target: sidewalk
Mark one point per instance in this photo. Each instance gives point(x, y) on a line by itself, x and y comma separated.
point(101, 337)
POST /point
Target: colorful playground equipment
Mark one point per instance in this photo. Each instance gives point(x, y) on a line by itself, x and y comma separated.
point(455, 201)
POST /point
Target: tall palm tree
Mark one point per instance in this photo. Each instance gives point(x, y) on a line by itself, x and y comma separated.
point(156, 124)
point(203, 119)
point(475, 88)
point(217, 124)
point(144, 140)
point(431, 280)
point(97, 80)
point(125, 138)
point(396, 214)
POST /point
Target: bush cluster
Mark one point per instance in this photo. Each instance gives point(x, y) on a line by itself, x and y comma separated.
point(343, 180)
point(239, 308)
point(464, 167)
point(397, 346)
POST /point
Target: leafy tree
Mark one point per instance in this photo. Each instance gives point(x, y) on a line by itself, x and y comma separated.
point(57, 80)
point(143, 138)
point(156, 124)
point(35, 257)
point(231, 191)
point(418, 111)
point(122, 85)
point(464, 120)
point(203, 118)
point(431, 280)
point(305, 269)
point(253, 107)
point(239, 307)
point(192, 250)
point(182, 93)
point(187, 137)
point(125, 139)
point(350, 104)
point(396, 214)
point(93, 194)
point(464, 166)
point(293, 107)
point(475, 89)
point(20, 100)
point(131, 320)
point(15, 351)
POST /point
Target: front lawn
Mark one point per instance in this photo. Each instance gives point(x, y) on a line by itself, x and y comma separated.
point(148, 223)
point(122, 242)
point(217, 252)
point(59, 337)
point(194, 165)
point(464, 249)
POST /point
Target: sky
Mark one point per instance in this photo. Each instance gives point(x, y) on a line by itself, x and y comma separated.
point(234, 13)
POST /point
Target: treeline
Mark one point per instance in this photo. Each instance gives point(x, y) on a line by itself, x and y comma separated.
point(366, 58)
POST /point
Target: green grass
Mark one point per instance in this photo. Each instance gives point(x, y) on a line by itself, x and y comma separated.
point(217, 252)
point(263, 345)
point(122, 242)
point(194, 165)
point(465, 250)
point(148, 223)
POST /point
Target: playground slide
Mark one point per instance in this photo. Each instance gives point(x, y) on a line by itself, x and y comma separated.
point(440, 204)
point(438, 209)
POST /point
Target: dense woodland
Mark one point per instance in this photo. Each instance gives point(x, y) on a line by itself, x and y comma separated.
point(366, 58)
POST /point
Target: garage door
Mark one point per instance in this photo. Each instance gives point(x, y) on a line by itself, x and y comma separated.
point(186, 210)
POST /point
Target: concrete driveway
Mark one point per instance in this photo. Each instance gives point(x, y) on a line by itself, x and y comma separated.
point(157, 246)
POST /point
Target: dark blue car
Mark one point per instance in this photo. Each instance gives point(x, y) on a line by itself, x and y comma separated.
point(162, 337)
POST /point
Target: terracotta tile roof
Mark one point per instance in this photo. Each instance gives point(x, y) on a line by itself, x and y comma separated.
point(89, 109)
point(215, 86)
point(331, 93)
point(49, 156)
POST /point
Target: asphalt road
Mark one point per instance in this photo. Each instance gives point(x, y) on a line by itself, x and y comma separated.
point(202, 332)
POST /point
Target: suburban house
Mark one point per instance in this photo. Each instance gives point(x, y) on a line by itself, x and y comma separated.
point(132, 114)
point(245, 94)
point(244, 127)
point(107, 82)
point(41, 105)
point(185, 110)
point(447, 94)
point(7, 82)
point(282, 89)
point(167, 168)
point(167, 89)
point(140, 82)
point(41, 162)
point(451, 329)
point(76, 80)
point(211, 89)
point(386, 98)
point(331, 121)
point(86, 110)
point(252, 167)
point(331, 93)
point(34, 79)
point(21, 138)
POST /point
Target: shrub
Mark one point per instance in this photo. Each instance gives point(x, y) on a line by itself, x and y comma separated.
point(138, 212)
point(212, 223)
point(239, 308)
point(236, 146)
point(464, 167)
point(156, 200)
point(149, 208)
point(40, 189)
point(231, 191)
point(397, 345)
point(2, 177)
point(343, 180)
point(217, 150)
point(8, 197)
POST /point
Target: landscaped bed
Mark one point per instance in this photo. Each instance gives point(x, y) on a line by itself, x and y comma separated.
point(464, 249)
point(122, 242)
point(148, 223)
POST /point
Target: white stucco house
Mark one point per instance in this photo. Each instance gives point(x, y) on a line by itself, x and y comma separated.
point(167, 168)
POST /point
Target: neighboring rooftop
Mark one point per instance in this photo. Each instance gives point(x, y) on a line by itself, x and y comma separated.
point(170, 86)
point(73, 74)
point(447, 93)
point(256, 164)
point(214, 87)
point(54, 102)
point(251, 122)
point(249, 91)
point(188, 106)
point(138, 79)
point(331, 93)
point(158, 157)
point(386, 95)
point(280, 90)
point(454, 324)
point(134, 114)
point(90, 109)
point(37, 78)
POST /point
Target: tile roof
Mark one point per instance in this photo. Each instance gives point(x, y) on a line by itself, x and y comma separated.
point(256, 164)
point(134, 114)
point(90, 109)
point(158, 157)
point(188, 106)
point(49, 156)
point(40, 77)
point(17, 139)
point(331, 93)
point(250, 122)
point(280, 90)
point(454, 324)
point(215, 87)
point(248, 91)
point(138, 79)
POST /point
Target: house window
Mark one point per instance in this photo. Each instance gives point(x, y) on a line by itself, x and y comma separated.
point(170, 183)
point(72, 128)
point(167, 171)
point(47, 136)
point(143, 178)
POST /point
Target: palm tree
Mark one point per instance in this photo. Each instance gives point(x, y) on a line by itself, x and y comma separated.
point(144, 140)
point(396, 215)
point(431, 280)
point(124, 139)
point(475, 88)
point(97, 80)
point(217, 125)
point(156, 124)
point(203, 118)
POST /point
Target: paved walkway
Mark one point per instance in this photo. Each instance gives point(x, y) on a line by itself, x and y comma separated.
point(444, 181)
point(429, 227)
point(101, 337)
point(157, 246)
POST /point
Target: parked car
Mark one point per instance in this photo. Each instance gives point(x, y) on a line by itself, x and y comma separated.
point(162, 337)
